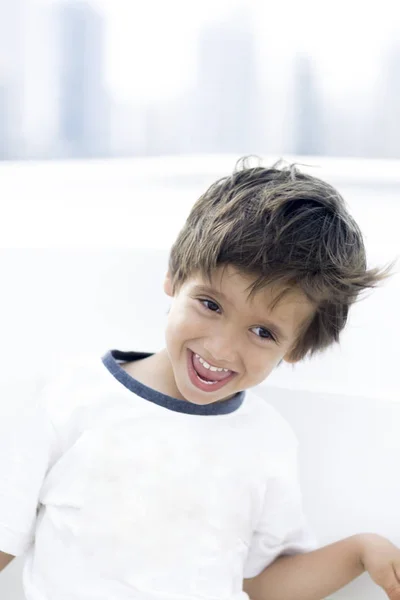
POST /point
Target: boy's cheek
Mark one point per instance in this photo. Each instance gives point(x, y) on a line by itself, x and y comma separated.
point(184, 323)
point(259, 370)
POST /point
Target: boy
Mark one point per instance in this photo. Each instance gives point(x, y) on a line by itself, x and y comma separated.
point(160, 476)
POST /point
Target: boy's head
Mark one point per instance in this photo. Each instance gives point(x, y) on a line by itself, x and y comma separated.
point(278, 247)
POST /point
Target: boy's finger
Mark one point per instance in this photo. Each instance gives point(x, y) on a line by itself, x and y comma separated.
point(392, 586)
point(394, 593)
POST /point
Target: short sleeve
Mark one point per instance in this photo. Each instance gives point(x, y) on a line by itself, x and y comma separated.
point(27, 440)
point(282, 527)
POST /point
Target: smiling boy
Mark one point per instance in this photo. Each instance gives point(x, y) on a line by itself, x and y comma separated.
point(164, 476)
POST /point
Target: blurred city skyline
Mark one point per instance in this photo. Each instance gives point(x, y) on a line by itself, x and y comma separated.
point(116, 77)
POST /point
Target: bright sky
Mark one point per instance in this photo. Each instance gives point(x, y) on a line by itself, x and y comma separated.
point(158, 39)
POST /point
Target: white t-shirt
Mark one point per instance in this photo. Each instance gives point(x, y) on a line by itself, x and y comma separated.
point(114, 490)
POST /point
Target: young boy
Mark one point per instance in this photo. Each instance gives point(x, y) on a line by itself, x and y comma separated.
point(161, 476)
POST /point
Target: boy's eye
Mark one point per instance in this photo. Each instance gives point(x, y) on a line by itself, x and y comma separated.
point(209, 304)
point(263, 333)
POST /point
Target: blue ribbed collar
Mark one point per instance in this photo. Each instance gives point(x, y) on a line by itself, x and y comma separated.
point(112, 360)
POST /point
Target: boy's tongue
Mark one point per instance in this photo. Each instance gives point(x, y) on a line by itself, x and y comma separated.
point(207, 373)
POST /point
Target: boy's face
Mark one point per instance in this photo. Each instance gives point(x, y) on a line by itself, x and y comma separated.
point(221, 326)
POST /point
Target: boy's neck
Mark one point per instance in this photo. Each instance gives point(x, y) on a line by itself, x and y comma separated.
point(155, 372)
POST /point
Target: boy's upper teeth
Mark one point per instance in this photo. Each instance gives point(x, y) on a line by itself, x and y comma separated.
point(207, 366)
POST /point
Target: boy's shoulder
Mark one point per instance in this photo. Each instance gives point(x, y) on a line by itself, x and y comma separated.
point(269, 423)
point(67, 386)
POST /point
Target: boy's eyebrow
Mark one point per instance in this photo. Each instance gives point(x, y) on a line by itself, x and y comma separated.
point(198, 289)
point(203, 289)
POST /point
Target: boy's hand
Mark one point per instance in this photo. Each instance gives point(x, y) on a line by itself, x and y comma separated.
point(381, 559)
point(321, 572)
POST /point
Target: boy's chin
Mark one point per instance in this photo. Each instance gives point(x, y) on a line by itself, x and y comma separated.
point(202, 399)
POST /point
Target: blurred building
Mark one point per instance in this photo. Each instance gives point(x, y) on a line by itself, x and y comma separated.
point(5, 132)
point(221, 113)
point(84, 108)
point(385, 123)
point(12, 23)
point(307, 125)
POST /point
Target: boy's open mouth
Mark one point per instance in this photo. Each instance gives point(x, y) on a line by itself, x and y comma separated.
point(204, 378)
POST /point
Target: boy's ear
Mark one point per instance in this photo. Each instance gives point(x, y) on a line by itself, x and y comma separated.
point(289, 360)
point(168, 285)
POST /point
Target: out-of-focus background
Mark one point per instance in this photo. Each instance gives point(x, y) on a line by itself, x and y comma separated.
point(115, 115)
point(90, 78)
